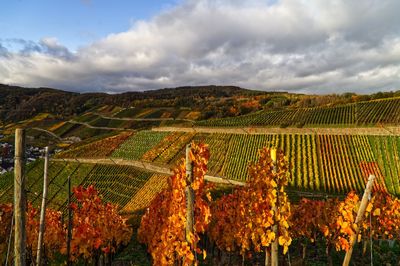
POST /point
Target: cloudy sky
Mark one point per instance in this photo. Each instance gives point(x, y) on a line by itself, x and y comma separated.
point(313, 46)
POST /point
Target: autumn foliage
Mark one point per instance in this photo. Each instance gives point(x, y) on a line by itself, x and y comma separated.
point(308, 219)
point(243, 220)
point(6, 212)
point(97, 226)
point(54, 237)
point(333, 220)
point(162, 227)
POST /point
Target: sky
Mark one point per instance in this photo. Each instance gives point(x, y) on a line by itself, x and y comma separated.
point(306, 46)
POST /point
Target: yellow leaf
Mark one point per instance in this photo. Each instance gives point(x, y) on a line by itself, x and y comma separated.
point(377, 212)
point(285, 224)
point(190, 256)
point(285, 249)
point(209, 196)
point(189, 237)
point(271, 235)
point(369, 207)
point(204, 254)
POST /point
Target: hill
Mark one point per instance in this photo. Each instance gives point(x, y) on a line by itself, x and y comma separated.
point(126, 144)
point(363, 113)
point(17, 103)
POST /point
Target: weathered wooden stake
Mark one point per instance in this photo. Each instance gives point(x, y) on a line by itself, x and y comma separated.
point(267, 257)
point(69, 236)
point(19, 199)
point(360, 215)
point(43, 208)
point(275, 229)
point(189, 193)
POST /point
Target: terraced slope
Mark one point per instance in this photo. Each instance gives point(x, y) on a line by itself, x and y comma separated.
point(58, 174)
point(138, 144)
point(117, 184)
point(318, 162)
point(384, 111)
point(96, 149)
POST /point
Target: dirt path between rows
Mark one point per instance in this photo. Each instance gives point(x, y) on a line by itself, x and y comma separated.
point(151, 167)
point(105, 128)
point(164, 169)
point(378, 131)
point(142, 119)
point(47, 132)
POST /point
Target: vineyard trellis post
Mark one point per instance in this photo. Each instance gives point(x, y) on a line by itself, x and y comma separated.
point(189, 194)
point(360, 215)
point(275, 229)
point(19, 199)
point(43, 207)
point(69, 234)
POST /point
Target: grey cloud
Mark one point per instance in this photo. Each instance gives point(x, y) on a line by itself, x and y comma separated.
point(49, 46)
point(52, 47)
point(313, 46)
point(3, 51)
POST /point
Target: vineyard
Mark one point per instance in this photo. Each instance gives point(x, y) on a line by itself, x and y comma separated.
point(328, 163)
point(155, 113)
point(386, 152)
point(258, 220)
point(96, 149)
point(198, 175)
point(131, 189)
point(138, 144)
point(336, 164)
point(67, 129)
point(385, 111)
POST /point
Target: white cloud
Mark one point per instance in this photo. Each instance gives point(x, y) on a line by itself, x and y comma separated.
point(313, 46)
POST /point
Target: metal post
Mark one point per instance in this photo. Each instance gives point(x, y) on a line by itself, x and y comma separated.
point(43, 208)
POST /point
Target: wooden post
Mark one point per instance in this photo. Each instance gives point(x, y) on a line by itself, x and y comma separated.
point(69, 236)
point(43, 208)
point(19, 199)
point(360, 215)
point(267, 257)
point(189, 194)
point(275, 229)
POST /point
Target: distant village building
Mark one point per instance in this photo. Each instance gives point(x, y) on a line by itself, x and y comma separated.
point(2, 171)
point(7, 156)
